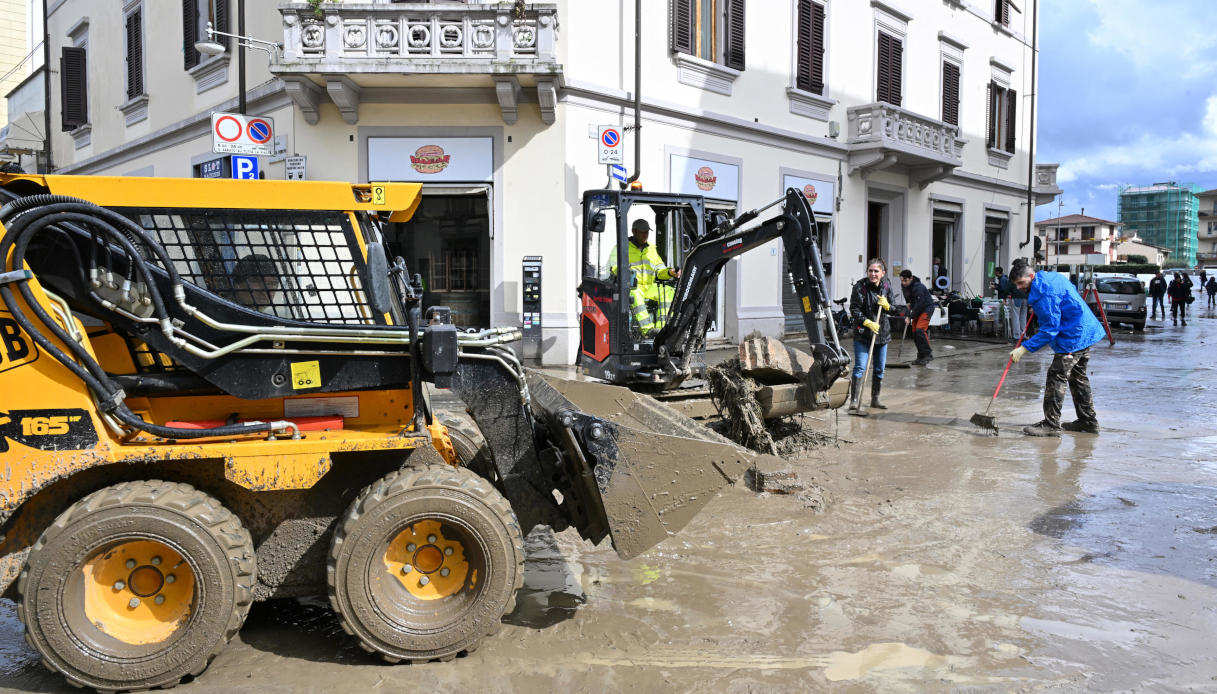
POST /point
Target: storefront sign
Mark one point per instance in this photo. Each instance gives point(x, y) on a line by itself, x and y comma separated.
point(820, 194)
point(430, 159)
point(695, 176)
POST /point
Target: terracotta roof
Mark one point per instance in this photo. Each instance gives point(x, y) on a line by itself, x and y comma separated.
point(1070, 219)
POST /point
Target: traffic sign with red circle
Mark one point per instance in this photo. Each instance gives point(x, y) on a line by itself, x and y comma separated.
point(228, 128)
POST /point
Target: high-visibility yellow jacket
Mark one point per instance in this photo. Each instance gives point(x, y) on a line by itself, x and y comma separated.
point(647, 266)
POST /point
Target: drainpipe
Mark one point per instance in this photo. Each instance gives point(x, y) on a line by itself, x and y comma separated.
point(637, 94)
point(242, 106)
point(48, 165)
point(1035, 35)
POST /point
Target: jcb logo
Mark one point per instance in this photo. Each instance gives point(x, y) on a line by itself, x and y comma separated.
point(16, 347)
point(48, 430)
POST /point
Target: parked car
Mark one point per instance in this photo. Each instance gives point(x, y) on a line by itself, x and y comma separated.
point(1123, 298)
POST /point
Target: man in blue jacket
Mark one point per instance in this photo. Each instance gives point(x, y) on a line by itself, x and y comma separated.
point(1067, 325)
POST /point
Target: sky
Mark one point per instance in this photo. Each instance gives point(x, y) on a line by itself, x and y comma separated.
point(1128, 95)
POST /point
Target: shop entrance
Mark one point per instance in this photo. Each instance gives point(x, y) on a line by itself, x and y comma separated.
point(447, 241)
point(876, 230)
point(942, 249)
point(995, 229)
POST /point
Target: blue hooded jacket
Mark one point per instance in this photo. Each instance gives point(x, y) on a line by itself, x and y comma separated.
point(1066, 323)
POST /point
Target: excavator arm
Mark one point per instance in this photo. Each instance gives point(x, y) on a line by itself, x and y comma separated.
point(693, 304)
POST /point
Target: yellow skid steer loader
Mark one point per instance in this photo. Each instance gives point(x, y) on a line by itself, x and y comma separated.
point(212, 392)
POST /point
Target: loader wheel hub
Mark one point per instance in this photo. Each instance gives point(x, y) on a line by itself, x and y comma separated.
point(138, 591)
point(428, 559)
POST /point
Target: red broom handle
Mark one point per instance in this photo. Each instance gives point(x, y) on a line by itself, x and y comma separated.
point(1010, 361)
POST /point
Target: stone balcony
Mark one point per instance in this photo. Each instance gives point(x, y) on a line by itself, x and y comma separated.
point(347, 52)
point(883, 136)
point(1045, 187)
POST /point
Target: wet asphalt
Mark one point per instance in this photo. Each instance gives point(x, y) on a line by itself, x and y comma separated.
point(946, 559)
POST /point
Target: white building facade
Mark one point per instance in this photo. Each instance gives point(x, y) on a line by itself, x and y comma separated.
point(906, 122)
point(1077, 239)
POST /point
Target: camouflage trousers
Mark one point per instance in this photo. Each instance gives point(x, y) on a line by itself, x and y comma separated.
point(1069, 370)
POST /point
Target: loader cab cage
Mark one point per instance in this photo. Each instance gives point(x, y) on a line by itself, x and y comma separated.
point(301, 265)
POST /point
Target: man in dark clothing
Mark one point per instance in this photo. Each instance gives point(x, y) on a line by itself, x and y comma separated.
point(870, 294)
point(1178, 293)
point(1211, 288)
point(1157, 290)
point(1187, 282)
point(920, 305)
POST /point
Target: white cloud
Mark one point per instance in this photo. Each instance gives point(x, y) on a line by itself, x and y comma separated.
point(1166, 37)
point(1155, 155)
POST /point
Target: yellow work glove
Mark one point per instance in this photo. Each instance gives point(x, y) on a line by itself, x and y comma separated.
point(873, 326)
point(1017, 353)
point(884, 303)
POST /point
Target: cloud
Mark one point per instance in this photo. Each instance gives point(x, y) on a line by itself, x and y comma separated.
point(1177, 39)
point(1156, 155)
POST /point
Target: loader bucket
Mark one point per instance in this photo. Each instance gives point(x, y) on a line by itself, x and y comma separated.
point(653, 468)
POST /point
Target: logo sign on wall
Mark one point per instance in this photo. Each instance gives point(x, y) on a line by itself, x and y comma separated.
point(820, 194)
point(233, 133)
point(431, 159)
point(696, 176)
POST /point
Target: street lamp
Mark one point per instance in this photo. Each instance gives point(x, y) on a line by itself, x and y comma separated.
point(212, 47)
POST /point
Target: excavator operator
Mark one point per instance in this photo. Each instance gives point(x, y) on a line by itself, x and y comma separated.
point(649, 301)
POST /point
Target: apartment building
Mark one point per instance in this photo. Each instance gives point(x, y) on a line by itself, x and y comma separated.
point(1079, 240)
point(1165, 214)
point(1206, 232)
point(22, 113)
point(906, 123)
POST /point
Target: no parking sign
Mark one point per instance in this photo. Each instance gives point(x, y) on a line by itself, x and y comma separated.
point(608, 144)
point(233, 133)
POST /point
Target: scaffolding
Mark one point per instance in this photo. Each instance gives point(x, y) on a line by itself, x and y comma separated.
point(1163, 214)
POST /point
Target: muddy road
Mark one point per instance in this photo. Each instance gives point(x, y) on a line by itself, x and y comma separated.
point(945, 559)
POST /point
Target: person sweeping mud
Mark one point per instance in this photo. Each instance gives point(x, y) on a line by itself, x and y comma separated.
point(1068, 326)
point(920, 304)
point(870, 294)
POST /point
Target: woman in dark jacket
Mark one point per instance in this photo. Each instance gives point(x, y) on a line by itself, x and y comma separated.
point(870, 293)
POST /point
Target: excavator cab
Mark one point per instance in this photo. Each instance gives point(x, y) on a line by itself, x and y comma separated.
point(613, 346)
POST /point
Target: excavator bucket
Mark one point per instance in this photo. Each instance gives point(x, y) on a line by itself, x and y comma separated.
point(654, 468)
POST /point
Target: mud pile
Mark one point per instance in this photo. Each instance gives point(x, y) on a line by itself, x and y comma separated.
point(742, 421)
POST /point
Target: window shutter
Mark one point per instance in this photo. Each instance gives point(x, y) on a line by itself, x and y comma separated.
point(682, 26)
point(190, 33)
point(734, 39)
point(74, 110)
point(897, 70)
point(135, 55)
point(991, 116)
point(810, 64)
point(882, 60)
point(221, 21)
point(950, 93)
point(1011, 112)
point(1005, 12)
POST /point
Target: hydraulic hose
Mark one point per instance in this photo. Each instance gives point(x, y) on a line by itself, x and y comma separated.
point(32, 215)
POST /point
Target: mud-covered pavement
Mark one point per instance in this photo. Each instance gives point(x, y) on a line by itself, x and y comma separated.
point(946, 558)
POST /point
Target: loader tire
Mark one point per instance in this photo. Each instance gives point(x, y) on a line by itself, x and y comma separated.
point(471, 449)
point(136, 586)
point(425, 563)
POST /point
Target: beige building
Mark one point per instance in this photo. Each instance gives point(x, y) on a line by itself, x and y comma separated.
point(22, 124)
point(1206, 234)
point(1134, 245)
point(1076, 239)
point(907, 122)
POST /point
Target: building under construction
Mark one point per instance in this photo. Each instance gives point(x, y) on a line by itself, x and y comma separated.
point(1164, 214)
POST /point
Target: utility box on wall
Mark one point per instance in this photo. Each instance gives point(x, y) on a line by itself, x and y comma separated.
point(531, 306)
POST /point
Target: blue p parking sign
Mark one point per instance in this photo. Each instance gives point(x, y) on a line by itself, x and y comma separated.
point(244, 167)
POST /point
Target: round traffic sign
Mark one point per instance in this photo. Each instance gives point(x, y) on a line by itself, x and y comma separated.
point(259, 130)
point(228, 128)
point(610, 138)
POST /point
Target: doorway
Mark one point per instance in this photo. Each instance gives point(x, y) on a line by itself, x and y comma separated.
point(942, 249)
point(876, 230)
point(447, 241)
point(995, 230)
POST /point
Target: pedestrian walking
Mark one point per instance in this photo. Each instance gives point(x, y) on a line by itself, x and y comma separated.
point(1157, 290)
point(1067, 325)
point(1178, 293)
point(920, 305)
point(869, 295)
point(1211, 288)
point(1187, 281)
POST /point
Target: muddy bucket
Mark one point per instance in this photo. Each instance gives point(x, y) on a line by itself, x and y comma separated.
point(653, 468)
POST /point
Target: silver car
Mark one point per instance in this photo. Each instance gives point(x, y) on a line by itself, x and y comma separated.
point(1123, 298)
